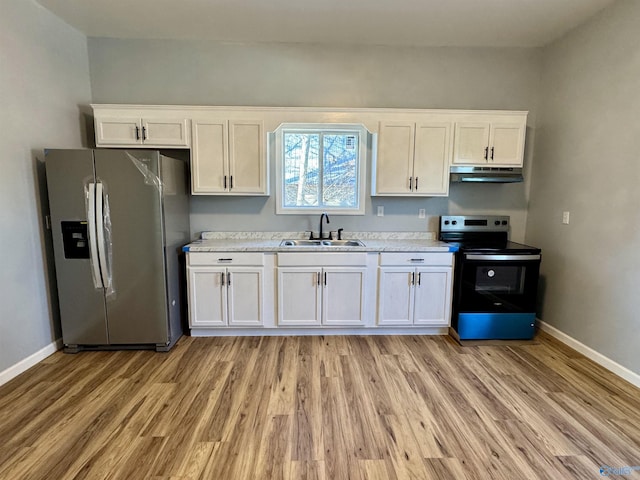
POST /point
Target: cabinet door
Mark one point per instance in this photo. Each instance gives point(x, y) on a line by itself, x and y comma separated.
point(165, 132)
point(247, 159)
point(209, 157)
point(432, 296)
point(299, 296)
point(395, 296)
point(245, 296)
point(471, 143)
point(343, 295)
point(507, 143)
point(118, 131)
point(394, 163)
point(431, 159)
point(207, 297)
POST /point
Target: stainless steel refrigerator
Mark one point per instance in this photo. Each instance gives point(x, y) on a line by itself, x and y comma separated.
point(119, 219)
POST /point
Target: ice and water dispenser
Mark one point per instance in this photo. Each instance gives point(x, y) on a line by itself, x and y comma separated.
point(75, 239)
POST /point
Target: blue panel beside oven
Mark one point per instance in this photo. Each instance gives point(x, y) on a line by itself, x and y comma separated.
point(496, 326)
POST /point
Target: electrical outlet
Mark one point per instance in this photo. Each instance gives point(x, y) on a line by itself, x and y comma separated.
point(381, 210)
point(565, 218)
point(422, 213)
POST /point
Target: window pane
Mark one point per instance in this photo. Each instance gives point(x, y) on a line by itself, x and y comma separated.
point(340, 170)
point(301, 169)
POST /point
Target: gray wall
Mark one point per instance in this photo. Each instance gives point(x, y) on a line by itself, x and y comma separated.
point(201, 73)
point(586, 162)
point(44, 77)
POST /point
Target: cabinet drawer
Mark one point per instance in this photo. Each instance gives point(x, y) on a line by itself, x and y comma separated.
point(340, 259)
point(225, 258)
point(416, 258)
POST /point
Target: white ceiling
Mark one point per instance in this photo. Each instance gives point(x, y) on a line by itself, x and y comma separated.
point(495, 23)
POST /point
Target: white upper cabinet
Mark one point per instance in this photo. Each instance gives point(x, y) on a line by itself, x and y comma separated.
point(413, 159)
point(123, 131)
point(488, 140)
point(412, 155)
point(228, 157)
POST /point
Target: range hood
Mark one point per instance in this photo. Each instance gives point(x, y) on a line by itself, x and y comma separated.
point(486, 174)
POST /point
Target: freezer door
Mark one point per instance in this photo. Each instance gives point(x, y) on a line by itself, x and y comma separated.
point(82, 305)
point(137, 310)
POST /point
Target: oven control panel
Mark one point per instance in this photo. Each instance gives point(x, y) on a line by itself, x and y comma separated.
point(474, 223)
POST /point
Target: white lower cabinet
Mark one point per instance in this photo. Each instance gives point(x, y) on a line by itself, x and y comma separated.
point(321, 296)
point(414, 295)
point(296, 290)
point(225, 296)
point(314, 289)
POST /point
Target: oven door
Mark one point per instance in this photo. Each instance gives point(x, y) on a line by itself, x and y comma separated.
point(499, 283)
point(496, 295)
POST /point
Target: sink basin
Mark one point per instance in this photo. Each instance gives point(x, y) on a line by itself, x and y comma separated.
point(321, 243)
point(342, 243)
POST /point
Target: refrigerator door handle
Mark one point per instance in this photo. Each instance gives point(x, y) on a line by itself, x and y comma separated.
point(91, 229)
point(102, 255)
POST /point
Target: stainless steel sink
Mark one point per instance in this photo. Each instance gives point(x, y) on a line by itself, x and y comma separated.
point(321, 243)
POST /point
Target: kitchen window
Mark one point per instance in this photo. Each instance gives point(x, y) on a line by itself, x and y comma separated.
point(321, 168)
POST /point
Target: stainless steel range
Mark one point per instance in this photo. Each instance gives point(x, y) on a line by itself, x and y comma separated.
point(495, 280)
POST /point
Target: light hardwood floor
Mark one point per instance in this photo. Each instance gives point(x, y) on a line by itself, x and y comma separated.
point(319, 408)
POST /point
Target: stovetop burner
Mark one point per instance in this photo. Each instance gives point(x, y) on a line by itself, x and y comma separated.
point(481, 234)
point(501, 247)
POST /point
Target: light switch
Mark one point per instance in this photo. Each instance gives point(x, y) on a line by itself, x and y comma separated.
point(422, 213)
point(380, 210)
point(565, 218)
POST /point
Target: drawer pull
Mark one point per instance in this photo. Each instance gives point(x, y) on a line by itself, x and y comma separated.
point(418, 260)
point(225, 260)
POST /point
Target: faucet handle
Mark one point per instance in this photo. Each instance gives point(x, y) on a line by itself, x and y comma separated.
point(340, 233)
point(310, 232)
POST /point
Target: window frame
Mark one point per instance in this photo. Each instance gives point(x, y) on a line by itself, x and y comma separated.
point(323, 128)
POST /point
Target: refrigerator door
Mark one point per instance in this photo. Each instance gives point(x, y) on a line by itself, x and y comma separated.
point(82, 305)
point(137, 309)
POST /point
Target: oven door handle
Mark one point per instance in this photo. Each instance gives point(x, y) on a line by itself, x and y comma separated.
point(502, 257)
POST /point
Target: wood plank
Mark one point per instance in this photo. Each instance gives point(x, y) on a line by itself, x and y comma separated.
point(325, 407)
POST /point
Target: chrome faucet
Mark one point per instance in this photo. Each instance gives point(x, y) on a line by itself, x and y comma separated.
point(320, 234)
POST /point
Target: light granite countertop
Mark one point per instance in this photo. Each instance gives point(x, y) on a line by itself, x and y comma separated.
point(270, 242)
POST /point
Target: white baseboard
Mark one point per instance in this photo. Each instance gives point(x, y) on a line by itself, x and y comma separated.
point(30, 361)
point(591, 354)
